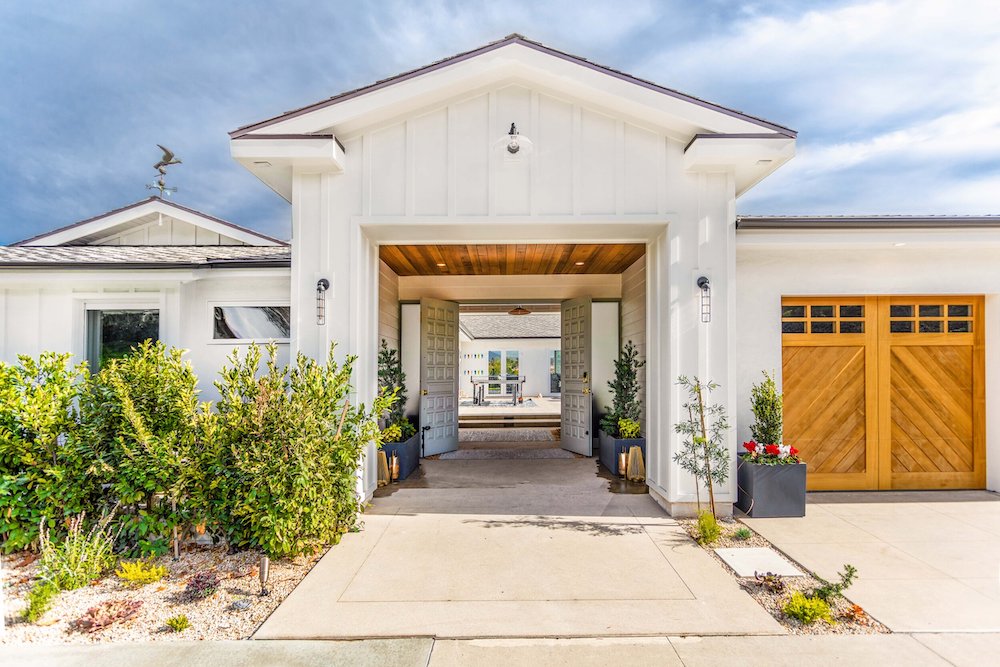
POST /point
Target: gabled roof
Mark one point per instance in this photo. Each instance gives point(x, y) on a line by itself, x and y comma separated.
point(131, 257)
point(132, 215)
point(834, 222)
point(493, 325)
point(509, 40)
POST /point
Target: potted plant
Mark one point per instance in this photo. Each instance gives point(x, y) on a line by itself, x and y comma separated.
point(399, 434)
point(620, 426)
point(771, 479)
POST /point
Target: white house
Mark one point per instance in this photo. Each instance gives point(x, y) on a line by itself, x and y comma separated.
point(515, 173)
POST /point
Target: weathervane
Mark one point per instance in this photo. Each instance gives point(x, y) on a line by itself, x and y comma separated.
point(161, 166)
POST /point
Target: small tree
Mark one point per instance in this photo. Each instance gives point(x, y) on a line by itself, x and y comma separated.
point(392, 381)
point(704, 452)
point(625, 388)
point(765, 402)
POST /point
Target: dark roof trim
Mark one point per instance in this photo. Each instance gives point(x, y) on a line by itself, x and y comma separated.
point(736, 135)
point(509, 39)
point(141, 203)
point(754, 222)
point(103, 266)
point(294, 136)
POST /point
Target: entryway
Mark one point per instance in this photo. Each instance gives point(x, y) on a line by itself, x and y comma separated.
point(886, 392)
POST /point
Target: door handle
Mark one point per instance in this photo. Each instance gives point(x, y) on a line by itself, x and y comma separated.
point(423, 392)
point(586, 390)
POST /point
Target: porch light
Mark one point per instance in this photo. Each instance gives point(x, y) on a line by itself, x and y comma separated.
point(513, 145)
point(321, 287)
point(706, 299)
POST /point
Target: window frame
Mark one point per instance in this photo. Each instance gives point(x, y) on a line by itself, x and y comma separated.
point(242, 303)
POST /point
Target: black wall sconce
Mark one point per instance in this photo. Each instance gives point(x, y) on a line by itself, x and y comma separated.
point(706, 299)
point(321, 287)
point(513, 145)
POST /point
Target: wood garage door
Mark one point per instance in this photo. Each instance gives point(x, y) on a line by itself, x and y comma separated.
point(885, 392)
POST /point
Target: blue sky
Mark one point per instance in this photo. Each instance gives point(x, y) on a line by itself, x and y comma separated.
point(897, 103)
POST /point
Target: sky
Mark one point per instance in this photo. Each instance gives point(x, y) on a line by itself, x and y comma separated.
point(897, 103)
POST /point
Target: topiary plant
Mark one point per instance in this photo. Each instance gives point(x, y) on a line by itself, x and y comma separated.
point(625, 389)
point(765, 402)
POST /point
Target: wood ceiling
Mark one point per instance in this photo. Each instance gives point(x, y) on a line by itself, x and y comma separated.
point(511, 259)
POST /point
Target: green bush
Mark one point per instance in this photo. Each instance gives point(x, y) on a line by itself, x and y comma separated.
point(805, 609)
point(155, 437)
point(392, 383)
point(139, 573)
point(708, 528)
point(81, 557)
point(44, 466)
point(40, 599)
point(742, 533)
point(628, 428)
point(625, 387)
point(290, 447)
point(178, 623)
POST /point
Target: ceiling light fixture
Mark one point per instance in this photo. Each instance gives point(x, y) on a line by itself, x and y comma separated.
point(441, 264)
point(520, 310)
point(579, 263)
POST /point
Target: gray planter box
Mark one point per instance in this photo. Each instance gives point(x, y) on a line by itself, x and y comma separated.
point(771, 491)
point(408, 452)
point(610, 447)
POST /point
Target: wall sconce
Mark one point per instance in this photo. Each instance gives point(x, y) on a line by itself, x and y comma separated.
point(706, 299)
point(321, 287)
point(513, 145)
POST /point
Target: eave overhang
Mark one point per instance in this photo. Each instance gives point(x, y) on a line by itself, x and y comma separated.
point(274, 158)
point(750, 157)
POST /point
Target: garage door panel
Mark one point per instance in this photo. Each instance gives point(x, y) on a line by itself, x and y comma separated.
point(885, 392)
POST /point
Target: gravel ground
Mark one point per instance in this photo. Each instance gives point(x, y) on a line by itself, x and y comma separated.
point(850, 618)
point(235, 611)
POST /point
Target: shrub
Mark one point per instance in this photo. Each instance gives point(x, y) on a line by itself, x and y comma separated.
point(139, 573)
point(628, 428)
point(625, 388)
point(708, 528)
point(290, 447)
point(765, 403)
point(107, 613)
point(805, 609)
point(704, 453)
point(743, 533)
point(40, 599)
point(44, 465)
point(80, 557)
point(178, 623)
point(827, 591)
point(145, 409)
point(201, 586)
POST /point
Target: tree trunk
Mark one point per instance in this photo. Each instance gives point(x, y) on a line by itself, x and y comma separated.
point(704, 444)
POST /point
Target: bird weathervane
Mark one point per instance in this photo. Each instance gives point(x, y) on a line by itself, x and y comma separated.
point(167, 160)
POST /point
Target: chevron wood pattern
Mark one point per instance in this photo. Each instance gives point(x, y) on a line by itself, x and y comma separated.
point(898, 403)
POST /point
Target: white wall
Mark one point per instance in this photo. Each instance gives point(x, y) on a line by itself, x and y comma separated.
point(169, 232)
point(604, 347)
point(772, 266)
point(533, 361)
point(46, 310)
point(634, 317)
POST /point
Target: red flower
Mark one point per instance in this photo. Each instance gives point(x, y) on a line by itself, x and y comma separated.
point(772, 450)
point(750, 446)
point(794, 451)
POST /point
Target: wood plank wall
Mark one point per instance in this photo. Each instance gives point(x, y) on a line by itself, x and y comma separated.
point(633, 315)
point(388, 306)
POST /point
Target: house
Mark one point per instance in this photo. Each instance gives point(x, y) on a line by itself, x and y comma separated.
point(516, 173)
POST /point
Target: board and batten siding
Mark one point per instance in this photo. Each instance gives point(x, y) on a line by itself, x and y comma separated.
point(170, 233)
point(388, 306)
point(634, 319)
point(452, 160)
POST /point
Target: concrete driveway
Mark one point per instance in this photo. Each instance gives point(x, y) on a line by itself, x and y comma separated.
point(515, 548)
point(927, 561)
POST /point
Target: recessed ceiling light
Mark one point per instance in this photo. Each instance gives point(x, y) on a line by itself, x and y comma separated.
point(579, 263)
point(898, 245)
point(442, 264)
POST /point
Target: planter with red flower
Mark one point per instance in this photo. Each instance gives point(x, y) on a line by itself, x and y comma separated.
point(771, 481)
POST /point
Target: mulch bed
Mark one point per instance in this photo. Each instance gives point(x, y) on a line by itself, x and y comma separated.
point(850, 619)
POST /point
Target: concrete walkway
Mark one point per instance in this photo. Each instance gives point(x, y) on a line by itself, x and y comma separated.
point(790, 650)
point(927, 561)
point(483, 548)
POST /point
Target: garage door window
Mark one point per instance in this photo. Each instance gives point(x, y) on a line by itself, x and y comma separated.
point(930, 318)
point(823, 318)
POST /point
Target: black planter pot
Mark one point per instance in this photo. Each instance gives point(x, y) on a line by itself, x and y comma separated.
point(771, 491)
point(408, 452)
point(611, 447)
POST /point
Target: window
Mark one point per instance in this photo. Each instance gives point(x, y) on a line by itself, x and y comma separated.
point(493, 367)
point(555, 372)
point(112, 334)
point(930, 318)
point(823, 318)
point(513, 364)
point(251, 322)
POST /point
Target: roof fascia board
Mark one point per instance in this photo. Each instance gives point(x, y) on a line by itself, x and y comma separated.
point(489, 55)
point(748, 223)
point(96, 225)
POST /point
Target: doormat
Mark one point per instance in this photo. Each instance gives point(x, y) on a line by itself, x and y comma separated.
point(506, 453)
point(535, 434)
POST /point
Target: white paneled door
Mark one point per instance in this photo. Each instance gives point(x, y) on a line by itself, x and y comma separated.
point(439, 375)
point(577, 397)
